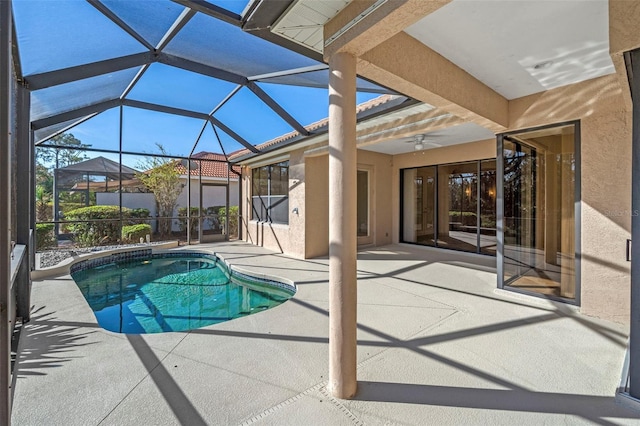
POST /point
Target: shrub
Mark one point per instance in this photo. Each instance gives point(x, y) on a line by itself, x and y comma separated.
point(233, 219)
point(44, 206)
point(96, 225)
point(466, 219)
point(140, 213)
point(44, 211)
point(44, 236)
point(211, 217)
point(133, 233)
point(66, 207)
point(193, 226)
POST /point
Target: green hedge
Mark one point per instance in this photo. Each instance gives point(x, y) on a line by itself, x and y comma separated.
point(140, 213)
point(96, 225)
point(44, 236)
point(467, 218)
point(66, 207)
point(133, 233)
point(233, 219)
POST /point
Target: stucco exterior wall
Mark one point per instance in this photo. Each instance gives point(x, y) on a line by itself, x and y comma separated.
point(284, 238)
point(317, 206)
point(317, 200)
point(606, 184)
point(381, 166)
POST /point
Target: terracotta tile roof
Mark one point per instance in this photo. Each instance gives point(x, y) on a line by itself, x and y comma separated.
point(216, 168)
point(315, 126)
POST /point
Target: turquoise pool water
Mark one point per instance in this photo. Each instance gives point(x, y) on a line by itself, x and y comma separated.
point(162, 294)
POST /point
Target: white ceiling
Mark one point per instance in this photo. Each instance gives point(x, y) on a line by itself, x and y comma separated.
point(500, 42)
point(462, 133)
point(497, 41)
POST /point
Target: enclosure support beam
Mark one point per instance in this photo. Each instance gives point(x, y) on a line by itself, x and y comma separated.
point(264, 97)
point(634, 326)
point(234, 135)
point(212, 10)
point(94, 69)
point(25, 188)
point(119, 22)
point(6, 74)
point(199, 68)
point(342, 226)
point(120, 142)
point(73, 114)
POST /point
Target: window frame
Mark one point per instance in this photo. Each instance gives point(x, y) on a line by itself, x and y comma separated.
point(265, 185)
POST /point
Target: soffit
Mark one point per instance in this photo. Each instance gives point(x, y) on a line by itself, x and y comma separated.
point(304, 22)
point(501, 42)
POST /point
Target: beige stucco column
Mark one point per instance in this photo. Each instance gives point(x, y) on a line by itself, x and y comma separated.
point(342, 225)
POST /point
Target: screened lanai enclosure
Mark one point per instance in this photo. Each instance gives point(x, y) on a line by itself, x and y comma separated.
point(125, 118)
point(156, 88)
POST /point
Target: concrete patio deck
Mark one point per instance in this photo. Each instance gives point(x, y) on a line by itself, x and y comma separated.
point(436, 345)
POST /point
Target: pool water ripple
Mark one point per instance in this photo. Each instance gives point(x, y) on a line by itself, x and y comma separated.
point(171, 294)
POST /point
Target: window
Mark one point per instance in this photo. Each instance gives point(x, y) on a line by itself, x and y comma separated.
point(270, 193)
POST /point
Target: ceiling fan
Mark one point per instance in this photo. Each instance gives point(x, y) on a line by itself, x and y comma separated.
point(421, 142)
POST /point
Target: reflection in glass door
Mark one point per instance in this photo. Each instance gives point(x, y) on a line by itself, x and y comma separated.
point(362, 208)
point(487, 207)
point(419, 220)
point(451, 206)
point(539, 219)
point(458, 205)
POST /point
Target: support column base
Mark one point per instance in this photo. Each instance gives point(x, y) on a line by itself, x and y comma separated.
point(344, 391)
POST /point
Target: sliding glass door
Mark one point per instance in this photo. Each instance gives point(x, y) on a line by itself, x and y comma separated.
point(451, 206)
point(419, 205)
point(458, 206)
point(540, 209)
point(487, 207)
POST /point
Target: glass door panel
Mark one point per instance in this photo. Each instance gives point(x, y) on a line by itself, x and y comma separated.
point(519, 210)
point(487, 207)
point(363, 208)
point(539, 211)
point(457, 205)
point(419, 213)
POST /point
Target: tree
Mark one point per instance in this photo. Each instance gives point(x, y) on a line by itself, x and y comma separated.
point(44, 208)
point(44, 178)
point(163, 180)
point(62, 157)
point(50, 158)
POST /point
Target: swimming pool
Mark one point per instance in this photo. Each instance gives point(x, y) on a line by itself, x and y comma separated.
point(137, 293)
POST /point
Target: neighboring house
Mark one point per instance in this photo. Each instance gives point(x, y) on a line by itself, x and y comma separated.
point(99, 176)
point(211, 181)
point(212, 178)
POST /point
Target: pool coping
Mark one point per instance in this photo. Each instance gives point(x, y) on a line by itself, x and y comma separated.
point(64, 267)
point(272, 279)
point(67, 266)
